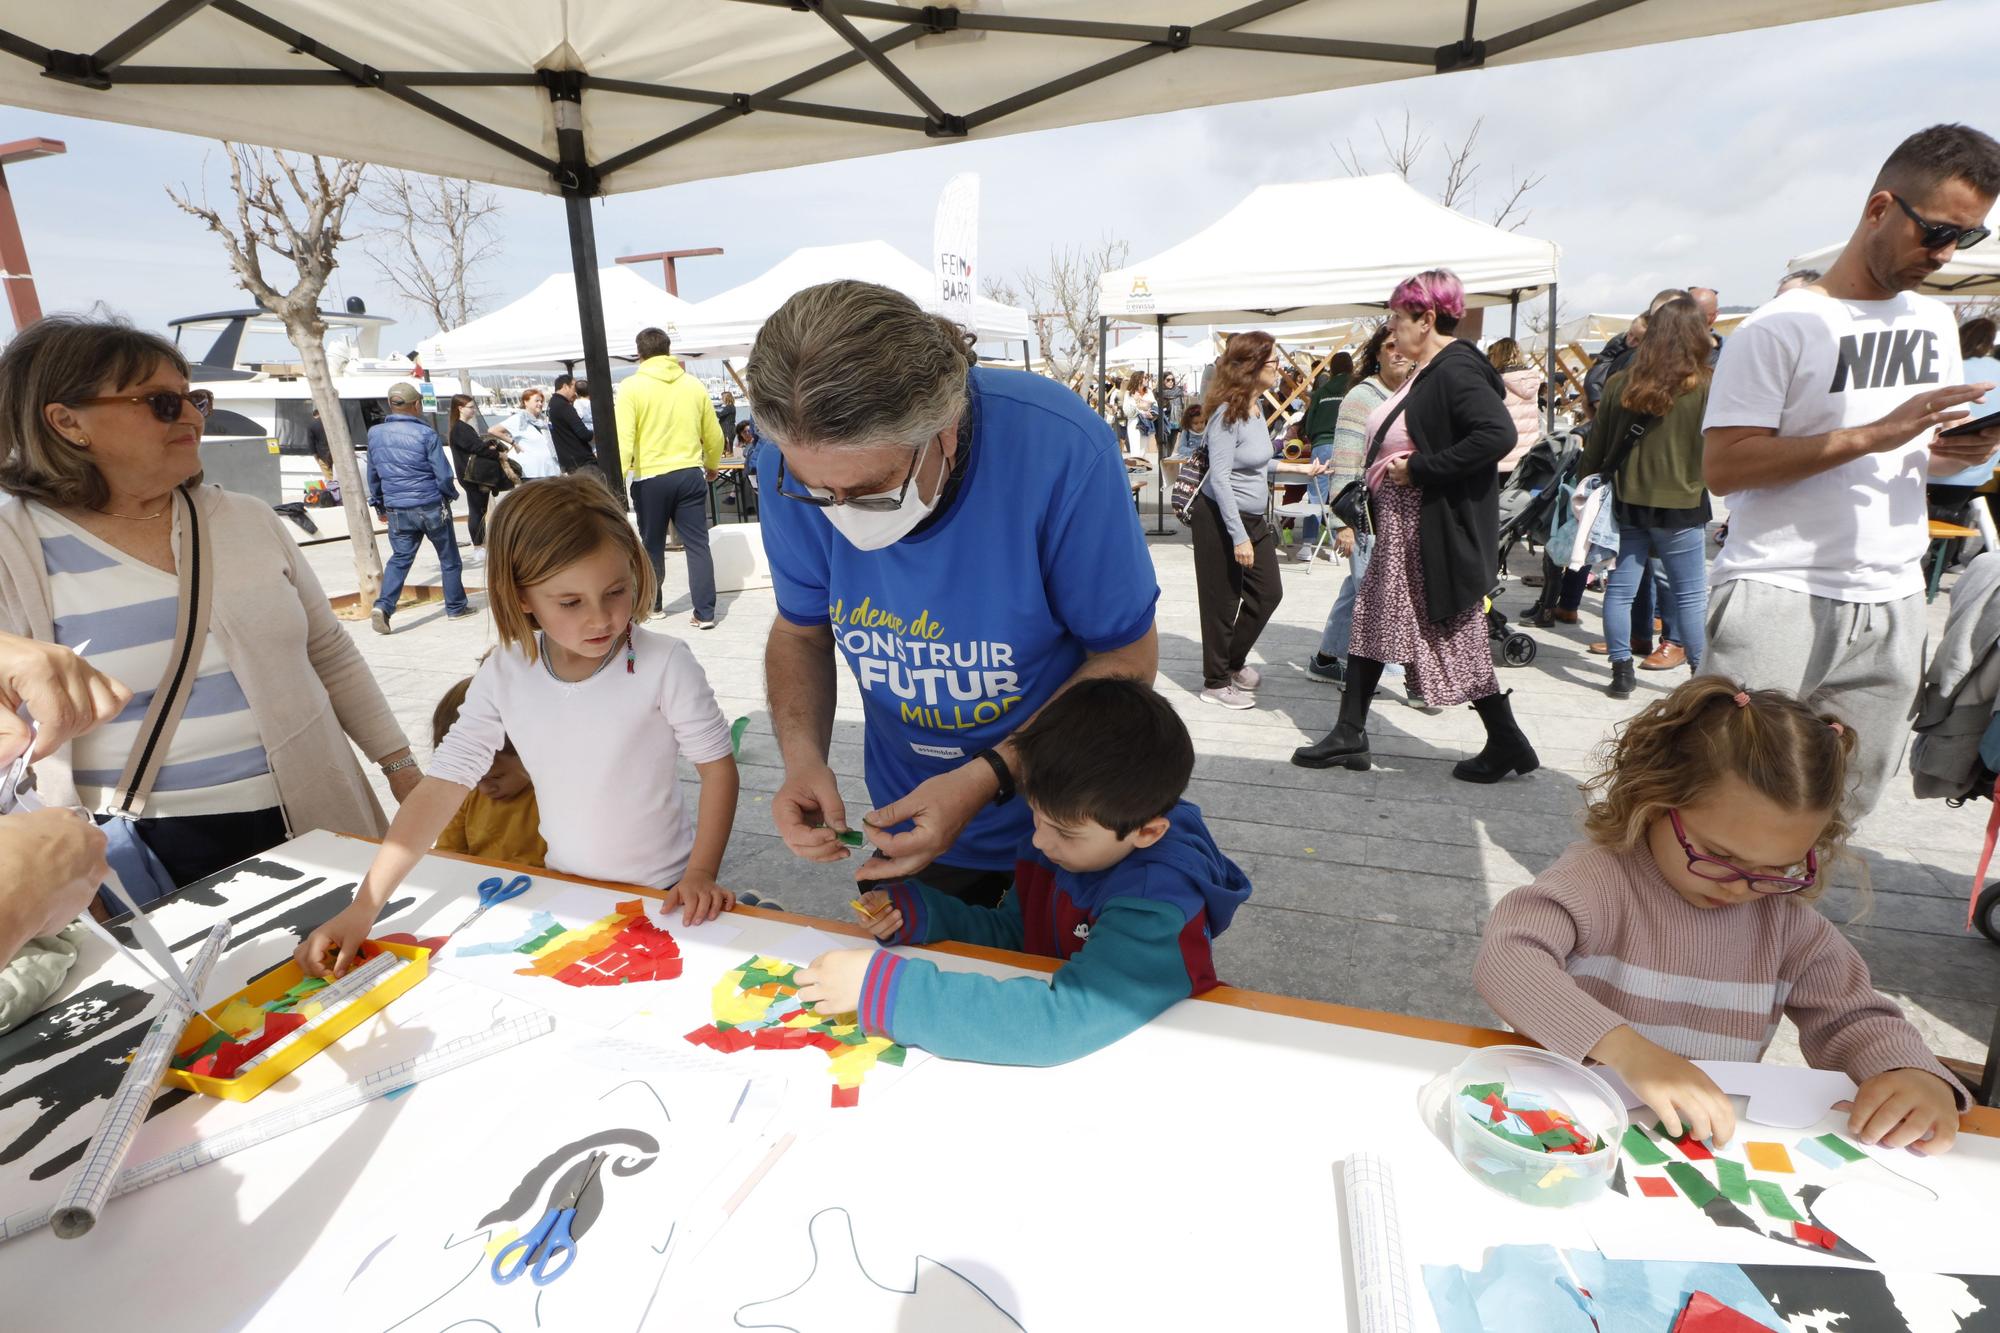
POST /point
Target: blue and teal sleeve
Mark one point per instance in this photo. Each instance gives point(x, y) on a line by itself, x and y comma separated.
point(1128, 973)
point(929, 916)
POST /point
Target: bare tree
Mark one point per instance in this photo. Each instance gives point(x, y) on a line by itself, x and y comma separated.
point(269, 187)
point(1061, 300)
point(440, 231)
point(1459, 186)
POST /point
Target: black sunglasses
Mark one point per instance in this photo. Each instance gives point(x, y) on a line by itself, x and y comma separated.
point(165, 405)
point(1938, 235)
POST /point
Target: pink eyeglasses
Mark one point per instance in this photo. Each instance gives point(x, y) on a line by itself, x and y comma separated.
point(1718, 871)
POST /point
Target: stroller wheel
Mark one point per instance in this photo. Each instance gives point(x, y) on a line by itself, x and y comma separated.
point(1986, 913)
point(1519, 650)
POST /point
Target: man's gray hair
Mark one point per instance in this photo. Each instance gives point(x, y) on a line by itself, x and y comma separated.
point(853, 363)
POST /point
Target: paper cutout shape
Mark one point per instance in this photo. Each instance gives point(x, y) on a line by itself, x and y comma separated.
point(1770, 1157)
point(1705, 1314)
point(1865, 1301)
point(1691, 1147)
point(756, 1007)
point(1732, 1180)
point(1779, 1096)
point(1693, 1184)
point(613, 950)
point(839, 1294)
point(1771, 1198)
point(1640, 1147)
point(1655, 1187)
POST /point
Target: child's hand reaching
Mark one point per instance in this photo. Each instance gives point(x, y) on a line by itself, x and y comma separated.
point(1901, 1108)
point(832, 984)
point(339, 940)
point(1684, 1098)
point(879, 914)
point(700, 898)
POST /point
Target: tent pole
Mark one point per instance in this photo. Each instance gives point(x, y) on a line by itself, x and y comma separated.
point(1549, 361)
point(596, 356)
point(1026, 363)
point(1103, 369)
point(1514, 316)
point(1160, 458)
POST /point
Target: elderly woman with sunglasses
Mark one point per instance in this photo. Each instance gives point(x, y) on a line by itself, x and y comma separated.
point(246, 688)
point(965, 538)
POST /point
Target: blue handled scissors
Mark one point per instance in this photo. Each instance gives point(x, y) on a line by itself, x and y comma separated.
point(549, 1238)
point(493, 891)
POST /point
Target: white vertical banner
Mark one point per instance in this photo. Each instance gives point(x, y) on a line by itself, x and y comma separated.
point(955, 241)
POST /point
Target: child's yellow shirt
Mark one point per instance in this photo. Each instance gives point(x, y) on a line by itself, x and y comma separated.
point(491, 830)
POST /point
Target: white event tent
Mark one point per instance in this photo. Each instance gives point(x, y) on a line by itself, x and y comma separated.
point(543, 327)
point(592, 97)
point(1140, 351)
point(726, 324)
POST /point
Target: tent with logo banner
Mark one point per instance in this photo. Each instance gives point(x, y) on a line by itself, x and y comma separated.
point(726, 324)
point(543, 328)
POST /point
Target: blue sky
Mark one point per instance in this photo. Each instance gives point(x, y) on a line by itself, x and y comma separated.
point(1709, 161)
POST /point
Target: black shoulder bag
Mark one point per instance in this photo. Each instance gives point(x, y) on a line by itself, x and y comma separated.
point(1351, 505)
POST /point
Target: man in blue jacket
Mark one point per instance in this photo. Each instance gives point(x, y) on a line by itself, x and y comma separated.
point(410, 488)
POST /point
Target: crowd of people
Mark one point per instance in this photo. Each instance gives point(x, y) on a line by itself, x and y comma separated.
point(961, 538)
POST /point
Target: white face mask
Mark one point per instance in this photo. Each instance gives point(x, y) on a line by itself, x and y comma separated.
point(874, 529)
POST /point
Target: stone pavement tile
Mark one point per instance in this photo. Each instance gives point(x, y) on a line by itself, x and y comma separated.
point(1401, 969)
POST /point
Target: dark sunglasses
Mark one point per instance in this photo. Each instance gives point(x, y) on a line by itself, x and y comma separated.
point(880, 504)
point(1717, 871)
point(1938, 235)
point(165, 405)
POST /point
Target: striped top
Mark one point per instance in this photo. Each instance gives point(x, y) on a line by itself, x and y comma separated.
point(1601, 940)
point(126, 610)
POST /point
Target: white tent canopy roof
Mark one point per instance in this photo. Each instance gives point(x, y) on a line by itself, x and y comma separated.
point(1317, 249)
point(1974, 272)
point(1142, 349)
point(681, 90)
point(726, 324)
point(543, 327)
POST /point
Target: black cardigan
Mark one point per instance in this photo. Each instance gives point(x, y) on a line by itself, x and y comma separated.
point(574, 448)
point(1457, 418)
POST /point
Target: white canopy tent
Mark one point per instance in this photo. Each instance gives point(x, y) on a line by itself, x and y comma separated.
point(590, 97)
point(1140, 351)
point(1974, 272)
point(726, 324)
point(543, 327)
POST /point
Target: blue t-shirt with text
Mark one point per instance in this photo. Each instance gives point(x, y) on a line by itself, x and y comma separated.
point(957, 634)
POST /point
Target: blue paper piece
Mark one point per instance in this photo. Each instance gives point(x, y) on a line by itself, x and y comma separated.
point(1820, 1153)
point(538, 925)
point(1529, 1287)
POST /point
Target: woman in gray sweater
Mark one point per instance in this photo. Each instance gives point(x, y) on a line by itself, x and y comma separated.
point(1235, 548)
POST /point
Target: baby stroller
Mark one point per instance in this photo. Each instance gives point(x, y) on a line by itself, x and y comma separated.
point(1533, 493)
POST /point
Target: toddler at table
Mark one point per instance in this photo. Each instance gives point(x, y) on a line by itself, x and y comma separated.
point(1682, 927)
point(498, 820)
point(1120, 879)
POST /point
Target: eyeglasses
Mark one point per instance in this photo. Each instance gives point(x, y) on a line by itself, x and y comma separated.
point(879, 504)
point(165, 405)
point(1938, 235)
point(1717, 871)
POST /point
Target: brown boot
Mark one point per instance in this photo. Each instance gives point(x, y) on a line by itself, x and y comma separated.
point(1665, 658)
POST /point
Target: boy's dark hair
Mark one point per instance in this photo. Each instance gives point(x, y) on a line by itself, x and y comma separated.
point(1929, 158)
point(1111, 751)
point(446, 714)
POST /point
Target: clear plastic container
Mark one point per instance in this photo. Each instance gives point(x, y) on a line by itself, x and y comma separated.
point(1545, 1179)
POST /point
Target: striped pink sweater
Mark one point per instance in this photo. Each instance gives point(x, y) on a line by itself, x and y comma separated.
point(1601, 939)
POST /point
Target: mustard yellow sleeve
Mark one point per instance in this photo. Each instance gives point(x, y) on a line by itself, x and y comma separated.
point(453, 837)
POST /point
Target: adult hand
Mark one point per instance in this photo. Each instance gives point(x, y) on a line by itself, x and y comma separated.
point(1963, 451)
point(65, 695)
point(1246, 554)
point(940, 808)
point(713, 473)
point(831, 984)
point(1905, 1107)
point(1675, 1089)
point(1920, 412)
point(1343, 541)
point(56, 859)
point(1399, 470)
point(404, 781)
point(810, 814)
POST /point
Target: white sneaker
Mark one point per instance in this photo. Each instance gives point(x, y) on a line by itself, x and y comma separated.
point(1229, 696)
point(1249, 678)
point(472, 556)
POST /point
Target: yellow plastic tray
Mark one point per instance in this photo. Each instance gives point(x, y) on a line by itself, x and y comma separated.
point(317, 1035)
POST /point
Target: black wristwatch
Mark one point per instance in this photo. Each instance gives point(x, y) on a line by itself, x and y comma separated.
point(1000, 771)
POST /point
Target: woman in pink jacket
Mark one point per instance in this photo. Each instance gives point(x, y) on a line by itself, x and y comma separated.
point(1524, 387)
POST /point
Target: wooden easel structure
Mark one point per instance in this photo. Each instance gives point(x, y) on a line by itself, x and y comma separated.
point(1305, 367)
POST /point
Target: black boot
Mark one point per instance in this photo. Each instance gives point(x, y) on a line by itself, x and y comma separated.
point(1346, 746)
point(1507, 748)
point(1624, 679)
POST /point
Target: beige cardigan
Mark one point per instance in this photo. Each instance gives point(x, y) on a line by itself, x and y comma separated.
point(307, 685)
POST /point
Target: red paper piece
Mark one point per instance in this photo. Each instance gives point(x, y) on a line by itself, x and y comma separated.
point(1813, 1235)
point(1705, 1314)
point(232, 1055)
point(1538, 1122)
point(1655, 1187)
point(1499, 1108)
point(434, 943)
point(1693, 1149)
point(846, 1096)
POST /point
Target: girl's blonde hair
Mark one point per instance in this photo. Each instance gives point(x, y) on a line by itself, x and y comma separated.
point(1677, 748)
point(545, 527)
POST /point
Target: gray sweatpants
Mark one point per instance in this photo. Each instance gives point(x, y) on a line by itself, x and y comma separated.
point(1861, 661)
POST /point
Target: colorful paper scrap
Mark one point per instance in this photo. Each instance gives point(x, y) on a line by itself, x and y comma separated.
point(1639, 1146)
point(1692, 1182)
point(1655, 1187)
point(1770, 1157)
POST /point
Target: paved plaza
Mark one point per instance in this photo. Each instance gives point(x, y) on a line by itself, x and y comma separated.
point(1370, 888)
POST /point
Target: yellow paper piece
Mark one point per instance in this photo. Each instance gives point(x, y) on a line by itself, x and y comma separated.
point(240, 1016)
point(1555, 1176)
point(1770, 1157)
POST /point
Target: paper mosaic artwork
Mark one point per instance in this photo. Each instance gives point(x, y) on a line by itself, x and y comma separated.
point(624, 946)
point(756, 1006)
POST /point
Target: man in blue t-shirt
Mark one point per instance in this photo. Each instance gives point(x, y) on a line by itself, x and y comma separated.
point(965, 539)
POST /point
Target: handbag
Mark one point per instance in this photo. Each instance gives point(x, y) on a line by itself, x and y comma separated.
point(1187, 483)
point(1351, 505)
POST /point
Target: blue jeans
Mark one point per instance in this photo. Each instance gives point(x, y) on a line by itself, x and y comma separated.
point(1680, 551)
point(1339, 629)
point(407, 530)
point(1653, 601)
point(680, 496)
point(1316, 493)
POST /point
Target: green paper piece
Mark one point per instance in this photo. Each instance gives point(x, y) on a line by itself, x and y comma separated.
point(1836, 1144)
point(1640, 1147)
point(207, 1048)
point(1732, 1180)
point(892, 1056)
point(1692, 1182)
point(854, 837)
point(1555, 1138)
point(1479, 1092)
point(1771, 1197)
point(736, 730)
point(540, 941)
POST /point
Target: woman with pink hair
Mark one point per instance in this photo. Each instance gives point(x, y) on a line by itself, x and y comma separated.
point(1433, 496)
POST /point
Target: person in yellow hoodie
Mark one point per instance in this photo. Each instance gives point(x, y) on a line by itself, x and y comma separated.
point(670, 445)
